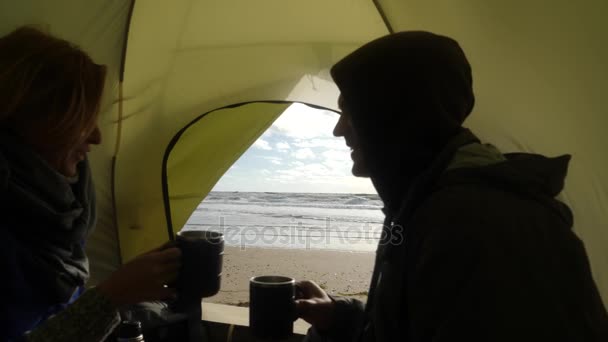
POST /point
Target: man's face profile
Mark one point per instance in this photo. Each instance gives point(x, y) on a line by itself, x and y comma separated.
point(344, 128)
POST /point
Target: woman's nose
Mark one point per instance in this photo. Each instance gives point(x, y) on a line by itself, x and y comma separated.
point(95, 136)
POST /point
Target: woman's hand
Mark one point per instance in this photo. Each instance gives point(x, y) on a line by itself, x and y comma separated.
point(314, 305)
point(144, 278)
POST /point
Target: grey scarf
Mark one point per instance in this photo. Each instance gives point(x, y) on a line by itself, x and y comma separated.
point(48, 216)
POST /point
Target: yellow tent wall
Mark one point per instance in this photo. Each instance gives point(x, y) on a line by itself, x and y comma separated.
point(192, 57)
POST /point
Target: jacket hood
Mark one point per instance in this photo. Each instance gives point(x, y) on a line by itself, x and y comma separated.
point(529, 175)
point(407, 94)
point(534, 173)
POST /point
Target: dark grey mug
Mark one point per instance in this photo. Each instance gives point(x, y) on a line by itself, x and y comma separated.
point(201, 271)
point(272, 308)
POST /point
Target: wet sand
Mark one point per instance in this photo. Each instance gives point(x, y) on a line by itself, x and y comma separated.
point(339, 272)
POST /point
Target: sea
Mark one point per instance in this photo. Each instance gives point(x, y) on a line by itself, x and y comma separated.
point(342, 222)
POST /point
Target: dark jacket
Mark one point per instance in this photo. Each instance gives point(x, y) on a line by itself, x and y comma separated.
point(44, 223)
point(487, 254)
point(473, 253)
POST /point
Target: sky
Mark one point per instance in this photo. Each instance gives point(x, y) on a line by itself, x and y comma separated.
point(298, 153)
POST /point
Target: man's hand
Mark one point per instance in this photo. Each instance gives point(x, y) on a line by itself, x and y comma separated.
point(144, 278)
point(314, 305)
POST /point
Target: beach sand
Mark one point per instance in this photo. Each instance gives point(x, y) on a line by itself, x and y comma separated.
point(339, 272)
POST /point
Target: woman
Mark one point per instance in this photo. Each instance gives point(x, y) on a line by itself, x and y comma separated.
point(50, 94)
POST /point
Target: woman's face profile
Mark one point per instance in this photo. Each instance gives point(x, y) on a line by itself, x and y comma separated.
point(65, 160)
point(51, 96)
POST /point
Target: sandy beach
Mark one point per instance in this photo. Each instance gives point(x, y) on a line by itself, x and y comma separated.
point(339, 272)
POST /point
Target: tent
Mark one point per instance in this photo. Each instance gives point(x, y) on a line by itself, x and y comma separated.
point(204, 78)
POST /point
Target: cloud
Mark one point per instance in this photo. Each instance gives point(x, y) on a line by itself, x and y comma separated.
point(338, 155)
point(274, 160)
point(331, 143)
point(307, 173)
point(339, 168)
point(297, 154)
point(282, 146)
point(338, 161)
point(262, 145)
point(321, 178)
point(271, 158)
point(304, 153)
point(315, 169)
point(303, 122)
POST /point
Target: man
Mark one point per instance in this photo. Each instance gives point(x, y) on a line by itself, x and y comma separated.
point(475, 245)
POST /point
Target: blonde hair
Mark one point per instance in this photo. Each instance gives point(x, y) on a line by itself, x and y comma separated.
point(48, 86)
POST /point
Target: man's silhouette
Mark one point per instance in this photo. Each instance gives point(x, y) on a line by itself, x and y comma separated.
point(488, 252)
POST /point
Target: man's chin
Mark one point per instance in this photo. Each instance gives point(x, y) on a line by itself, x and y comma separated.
point(359, 171)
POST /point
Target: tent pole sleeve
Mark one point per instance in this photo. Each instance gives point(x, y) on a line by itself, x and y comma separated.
point(121, 76)
point(125, 42)
point(113, 171)
point(115, 220)
point(383, 15)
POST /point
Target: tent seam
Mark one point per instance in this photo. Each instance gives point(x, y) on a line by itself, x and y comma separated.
point(383, 16)
point(177, 136)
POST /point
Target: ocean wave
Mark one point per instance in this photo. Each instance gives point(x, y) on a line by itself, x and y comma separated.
point(341, 221)
point(357, 201)
point(291, 198)
point(288, 231)
point(355, 204)
point(254, 215)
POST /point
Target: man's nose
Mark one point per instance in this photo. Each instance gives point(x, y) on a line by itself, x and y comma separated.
point(340, 127)
point(95, 137)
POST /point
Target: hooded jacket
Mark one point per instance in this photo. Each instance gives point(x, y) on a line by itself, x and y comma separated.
point(408, 94)
point(472, 252)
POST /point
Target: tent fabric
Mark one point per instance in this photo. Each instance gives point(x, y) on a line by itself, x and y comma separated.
point(195, 56)
point(207, 148)
point(539, 69)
